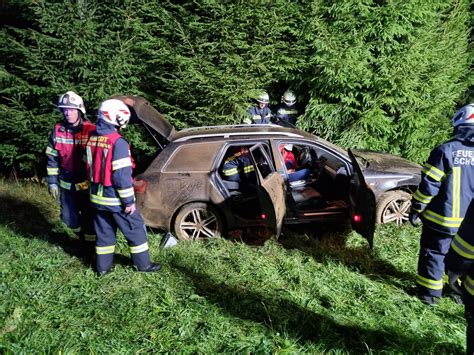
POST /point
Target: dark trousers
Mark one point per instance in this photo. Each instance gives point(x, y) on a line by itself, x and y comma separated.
point(77, 213)
point(434, 246)
point(133, 228)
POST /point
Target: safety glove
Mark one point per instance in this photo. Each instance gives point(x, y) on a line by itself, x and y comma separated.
point(453, 280)
point(53, 190)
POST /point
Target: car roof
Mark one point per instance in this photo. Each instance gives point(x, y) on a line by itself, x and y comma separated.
point(245, 131)
point(143, 111)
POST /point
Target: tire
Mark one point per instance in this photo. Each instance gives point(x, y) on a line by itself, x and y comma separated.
point(197, 221)
point(393, 207)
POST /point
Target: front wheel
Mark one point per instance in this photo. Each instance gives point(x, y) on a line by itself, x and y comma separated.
point(393, 207)
point(198, 221)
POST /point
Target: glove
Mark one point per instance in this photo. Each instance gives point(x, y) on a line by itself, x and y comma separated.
point(53, 190)
point(247, 121)
point(453, 278)
point(413, 218)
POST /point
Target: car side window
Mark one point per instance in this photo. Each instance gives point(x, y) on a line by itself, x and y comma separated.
point(263, 162)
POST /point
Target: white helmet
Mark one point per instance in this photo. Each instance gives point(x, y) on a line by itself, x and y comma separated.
point(263, 98)
point(71, 100)
point(114, 112)
point(289, 98)
point(465, 116)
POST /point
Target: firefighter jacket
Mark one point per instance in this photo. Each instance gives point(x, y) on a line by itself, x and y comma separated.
point(447, 183)
point(260, 116)
point(287, 113)
point(65, 153)
point(109, 169)
point(460, 257)
point(238, 167)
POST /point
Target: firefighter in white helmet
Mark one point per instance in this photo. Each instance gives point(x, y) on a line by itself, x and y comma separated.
point(67, 180)
point(441, 201)
point(109, 169)
point(287, 110)
point(260, 113)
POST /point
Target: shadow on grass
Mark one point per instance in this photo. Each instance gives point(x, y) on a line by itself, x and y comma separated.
point(302, 325)
point(29, 220)
point(328, 242)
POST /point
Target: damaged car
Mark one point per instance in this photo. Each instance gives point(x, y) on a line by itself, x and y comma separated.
point(289, 177)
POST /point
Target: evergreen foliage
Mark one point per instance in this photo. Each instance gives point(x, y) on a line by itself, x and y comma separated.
point(374, 74)
point(386, 75)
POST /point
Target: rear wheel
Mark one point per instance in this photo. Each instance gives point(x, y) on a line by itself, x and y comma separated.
point(198, 221)
point(393, 207)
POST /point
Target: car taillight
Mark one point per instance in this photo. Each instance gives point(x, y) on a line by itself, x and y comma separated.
point(357, 218)
point(139, 186)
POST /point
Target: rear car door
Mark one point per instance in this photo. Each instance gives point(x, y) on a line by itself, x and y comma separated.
point(271, 188)
point(362, 203)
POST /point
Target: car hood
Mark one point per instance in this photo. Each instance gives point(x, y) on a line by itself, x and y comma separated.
point(144, 112)
point(385, 162)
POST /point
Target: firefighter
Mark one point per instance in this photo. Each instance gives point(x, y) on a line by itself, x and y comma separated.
point(460, 265)
point(261, 113)
point(66, 169)
point(441, 200)
point(239, 166)
point(287, 110)
point(109, 169)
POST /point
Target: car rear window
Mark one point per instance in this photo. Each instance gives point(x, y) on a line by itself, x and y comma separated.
point(193, 157)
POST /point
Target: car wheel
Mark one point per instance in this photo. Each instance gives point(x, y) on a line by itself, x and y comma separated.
point(393, 207)
point(198, 221)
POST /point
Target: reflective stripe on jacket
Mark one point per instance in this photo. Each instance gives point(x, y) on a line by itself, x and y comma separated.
point(287, 113)
point(460, 258)
point(260, 116)
point(99, 157)
point(109, 167)
point(446, 187)
point(65, 153)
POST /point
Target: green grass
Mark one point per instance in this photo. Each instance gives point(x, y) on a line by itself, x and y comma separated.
point(306, 293)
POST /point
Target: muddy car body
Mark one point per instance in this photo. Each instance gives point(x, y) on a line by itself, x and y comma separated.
point(184, 190)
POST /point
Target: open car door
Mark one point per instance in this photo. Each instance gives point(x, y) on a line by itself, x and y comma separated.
point(362, 201)
point(271, 189)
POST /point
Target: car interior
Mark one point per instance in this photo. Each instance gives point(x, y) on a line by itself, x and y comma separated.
point(321, 190)
point(325, 191)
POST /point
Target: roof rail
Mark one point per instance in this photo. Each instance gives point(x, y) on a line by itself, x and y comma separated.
point(239, 125)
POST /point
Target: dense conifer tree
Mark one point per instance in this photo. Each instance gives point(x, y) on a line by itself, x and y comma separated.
point(372, 74)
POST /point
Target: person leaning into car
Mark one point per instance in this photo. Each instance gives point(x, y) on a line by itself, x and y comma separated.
point(239, 167)
point(441, 201)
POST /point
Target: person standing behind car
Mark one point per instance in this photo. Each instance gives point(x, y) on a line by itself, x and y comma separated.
point(66, 168)
point(441, 200)
point(287, 110)
point(460, 265)
point(261, 113)
point(109, 169)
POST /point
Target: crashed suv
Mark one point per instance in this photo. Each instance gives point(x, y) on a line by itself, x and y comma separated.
point(185, 189)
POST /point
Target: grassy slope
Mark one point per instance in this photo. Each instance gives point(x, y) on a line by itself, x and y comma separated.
point(324, 293)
